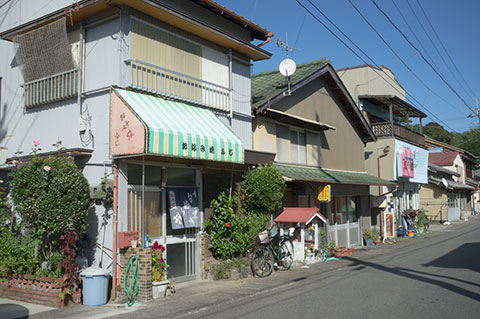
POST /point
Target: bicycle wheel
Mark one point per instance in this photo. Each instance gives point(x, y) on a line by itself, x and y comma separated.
point(286, 251)
point(262, 262)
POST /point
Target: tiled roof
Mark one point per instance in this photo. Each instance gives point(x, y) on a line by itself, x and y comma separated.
point(269, 84)
point(317, 174)
point(442, 158)
point(299, 215)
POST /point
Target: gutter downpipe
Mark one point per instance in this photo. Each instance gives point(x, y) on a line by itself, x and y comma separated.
point(230, 70)
point(80, 68)
point(269, 36)
point(115, 221)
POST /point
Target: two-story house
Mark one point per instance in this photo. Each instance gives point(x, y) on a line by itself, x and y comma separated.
point(318, 135)
point(460, 196)
point(153, 93)
point(400, 153)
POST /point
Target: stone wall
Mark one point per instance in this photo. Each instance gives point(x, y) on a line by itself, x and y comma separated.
point(144, 257)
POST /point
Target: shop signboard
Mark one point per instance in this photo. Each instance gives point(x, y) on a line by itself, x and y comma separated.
point(379, 201)
point(411, 162)
point(324, 193)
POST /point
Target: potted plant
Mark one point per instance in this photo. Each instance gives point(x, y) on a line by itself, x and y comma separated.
point(377, 239)
point(159, 271)
point(368, 236)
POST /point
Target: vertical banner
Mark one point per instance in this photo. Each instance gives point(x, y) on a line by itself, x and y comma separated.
point(389, 224)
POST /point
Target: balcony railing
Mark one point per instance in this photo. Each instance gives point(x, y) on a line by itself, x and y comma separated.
point(154, 79)
point(385, 130)
point(50, 89)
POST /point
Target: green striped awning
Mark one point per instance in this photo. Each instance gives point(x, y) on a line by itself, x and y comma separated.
point(182, 130)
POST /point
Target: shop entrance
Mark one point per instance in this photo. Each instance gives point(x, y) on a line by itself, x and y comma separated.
point(167, 207)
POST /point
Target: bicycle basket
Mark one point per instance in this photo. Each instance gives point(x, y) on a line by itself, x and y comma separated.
point(263, 237)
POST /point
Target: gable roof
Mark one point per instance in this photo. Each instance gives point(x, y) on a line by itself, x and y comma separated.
point(442, 158)
point(268, 88)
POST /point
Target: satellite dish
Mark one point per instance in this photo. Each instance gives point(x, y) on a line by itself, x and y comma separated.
point(287, 67)
point(444, 182)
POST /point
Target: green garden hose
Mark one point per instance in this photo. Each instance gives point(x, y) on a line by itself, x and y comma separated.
point(131, 292)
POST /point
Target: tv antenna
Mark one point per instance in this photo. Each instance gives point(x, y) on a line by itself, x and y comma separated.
point(287, 67)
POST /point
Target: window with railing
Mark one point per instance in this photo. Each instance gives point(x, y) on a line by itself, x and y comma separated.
point(45, 58)
point(154, 79)
point(51, 89)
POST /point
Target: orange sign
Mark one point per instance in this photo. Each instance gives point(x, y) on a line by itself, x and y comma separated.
point(389, 224)
point(324, 193)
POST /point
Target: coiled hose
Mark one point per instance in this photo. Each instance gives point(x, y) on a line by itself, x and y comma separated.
point(132, 290)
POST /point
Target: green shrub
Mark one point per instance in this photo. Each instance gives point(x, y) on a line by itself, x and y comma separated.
point(422, 218)
point(51, 196)
point(16, 254)
point(262, 190)
point(232, 231)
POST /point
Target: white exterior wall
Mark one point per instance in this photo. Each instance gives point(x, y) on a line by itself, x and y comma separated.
point(459, 167)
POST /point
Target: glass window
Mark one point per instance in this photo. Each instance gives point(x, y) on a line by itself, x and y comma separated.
point(180, 176)
point(298, 147)
point(340, 209)
point(302, 148)
point(283, 143)
point(153, 175)
point(352, 209)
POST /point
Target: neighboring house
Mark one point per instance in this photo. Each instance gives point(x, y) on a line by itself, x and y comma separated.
point(155, 92)
point(318, 135)
point(439, 198)
point(464, 164)
point(461, 193)
point(399, 154)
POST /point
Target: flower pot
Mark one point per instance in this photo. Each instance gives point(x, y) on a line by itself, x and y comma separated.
point(134, 243)
point(158, 288)
point(369, 241)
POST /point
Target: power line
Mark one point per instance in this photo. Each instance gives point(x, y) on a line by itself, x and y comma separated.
point(437, 50)
point(448, 55)
point(393, 51)
point(365, 62)
point(421, 55)
point(413, 32)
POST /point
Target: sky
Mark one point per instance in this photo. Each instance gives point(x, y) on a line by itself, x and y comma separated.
point(456, 24)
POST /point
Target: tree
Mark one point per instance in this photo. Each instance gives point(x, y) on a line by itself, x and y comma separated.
point(470, 141)
point(437, 132)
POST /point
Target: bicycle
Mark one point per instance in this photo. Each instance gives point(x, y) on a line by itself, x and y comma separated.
point(269, 253)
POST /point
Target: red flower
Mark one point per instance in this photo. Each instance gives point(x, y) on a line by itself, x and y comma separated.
point(243, 196)
point(227, 224)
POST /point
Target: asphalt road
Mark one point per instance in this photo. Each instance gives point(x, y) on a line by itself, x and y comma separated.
point(436, 276)
point(430, 277)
